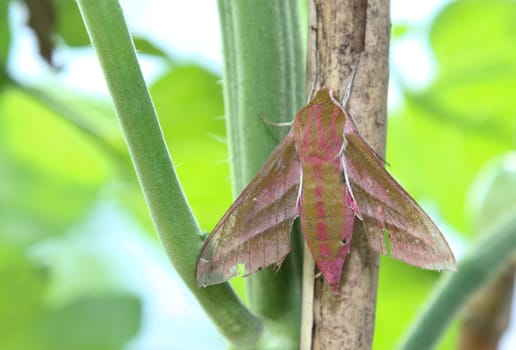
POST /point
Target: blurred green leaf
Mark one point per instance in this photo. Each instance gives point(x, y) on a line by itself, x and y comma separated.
point(477, 66)
point(445, 134)
point(466, 116)
point(27, 322)
point(49, 174)
point(492, 195)
point(5, 36)
point(473, 35)
point(23, 287)
point(435, 161)
point(145, 46)
point(399, 30)
point(69, 23)
point(105, 322)
point(401, 291)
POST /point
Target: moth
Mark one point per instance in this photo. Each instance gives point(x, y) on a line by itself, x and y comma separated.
point(324, 172)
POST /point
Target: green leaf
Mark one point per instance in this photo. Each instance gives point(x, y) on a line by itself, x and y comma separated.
point(492, 195)
point(69, 23)
point(468, 35)
point(49, 172)
point(145, 46)
point(27, 322)
point(441, 161)
point(466, 116)
point(399, 30)
point(477, 79)
point(394, 314)
point(94, 323)
point(5, 36)
point(21, 296)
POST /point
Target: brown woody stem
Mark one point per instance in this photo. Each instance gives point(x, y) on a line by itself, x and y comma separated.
point(488, 312)
point(339, 33)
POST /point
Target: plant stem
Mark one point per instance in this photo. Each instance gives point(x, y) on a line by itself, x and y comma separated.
point(264, 78)
point(340, 33)
point(172, 217)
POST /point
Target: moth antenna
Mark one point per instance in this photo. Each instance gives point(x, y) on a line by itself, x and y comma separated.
point(315, 74)
point(314, 81)
point(351, 78)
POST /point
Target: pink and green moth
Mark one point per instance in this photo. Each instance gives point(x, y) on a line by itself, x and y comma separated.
point(324, 172)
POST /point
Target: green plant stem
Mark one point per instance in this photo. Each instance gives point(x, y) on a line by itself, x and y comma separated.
point(264, 79)
point(474, 270)
point(177, 228)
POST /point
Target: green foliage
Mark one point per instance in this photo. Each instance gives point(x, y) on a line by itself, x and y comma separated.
point(466, 116)
point(21, 295)
point(5, 38)
point(69, 23)
point(442, 138)
point(40, 196)
point(111, 318)
point(28, 322)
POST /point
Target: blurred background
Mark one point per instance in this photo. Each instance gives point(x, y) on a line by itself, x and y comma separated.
point(80, 263)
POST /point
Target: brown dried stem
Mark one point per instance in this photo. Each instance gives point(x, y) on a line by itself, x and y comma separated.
point(487, 313)
point(340, 33)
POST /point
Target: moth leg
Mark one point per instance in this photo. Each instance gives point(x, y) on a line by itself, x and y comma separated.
point(350, 198)
point(270, 122)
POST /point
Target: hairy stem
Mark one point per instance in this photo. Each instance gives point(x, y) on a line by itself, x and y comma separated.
point(264, 79)
point(172, 217)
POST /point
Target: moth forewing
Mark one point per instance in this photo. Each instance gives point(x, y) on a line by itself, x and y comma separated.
point(261, 219)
